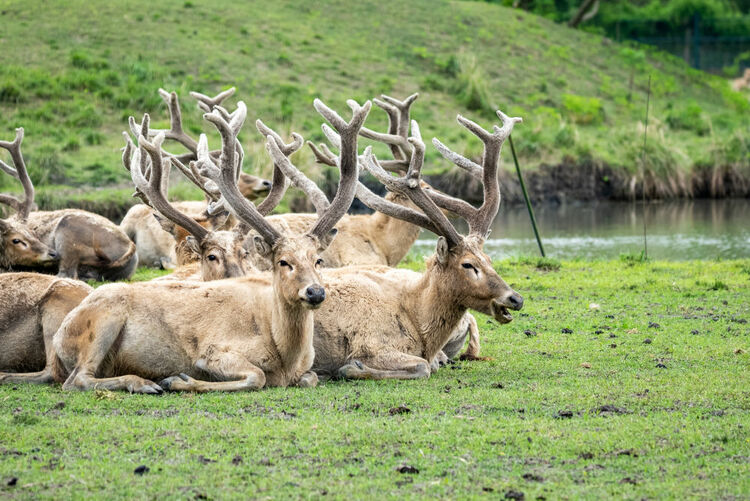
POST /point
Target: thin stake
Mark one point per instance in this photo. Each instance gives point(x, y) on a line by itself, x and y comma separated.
point(526, 196)
point(643, 165)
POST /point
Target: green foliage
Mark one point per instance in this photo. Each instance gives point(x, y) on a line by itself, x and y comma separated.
point(597, 413)
point(687, 116)
point(583, 110)
point(471, 84)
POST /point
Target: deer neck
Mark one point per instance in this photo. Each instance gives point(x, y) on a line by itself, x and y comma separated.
point(292, 333)
point(435, 308)
point(394, 237)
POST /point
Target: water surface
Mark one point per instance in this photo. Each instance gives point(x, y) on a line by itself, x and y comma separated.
point(680, 230)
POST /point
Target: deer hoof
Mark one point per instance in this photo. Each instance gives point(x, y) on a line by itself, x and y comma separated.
point(174, 383)
point(308, 380)
point(352, 369)
point(149, 388)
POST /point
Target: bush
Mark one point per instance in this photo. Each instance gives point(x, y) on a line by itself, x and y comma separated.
point(471, 84)
point(583, 110)
point(687, 117)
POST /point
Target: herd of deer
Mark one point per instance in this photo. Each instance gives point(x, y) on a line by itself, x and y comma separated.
point(254, 300)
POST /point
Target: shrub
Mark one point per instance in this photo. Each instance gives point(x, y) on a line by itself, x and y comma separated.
point(583, 110)
point(687, 117)
point(471, 84)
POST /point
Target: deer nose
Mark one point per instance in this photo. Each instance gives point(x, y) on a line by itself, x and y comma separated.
point(516, 301)
point(266, 183)
point(53, 254)
point(315, 294)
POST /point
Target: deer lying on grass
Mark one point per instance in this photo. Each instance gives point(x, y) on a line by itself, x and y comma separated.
point(156, 245)
point(392, 324)
point(32, 307)
point(379, 238)
point(238, 334)
point(81, 243)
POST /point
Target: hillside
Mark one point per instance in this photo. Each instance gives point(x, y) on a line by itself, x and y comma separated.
point(71, 73)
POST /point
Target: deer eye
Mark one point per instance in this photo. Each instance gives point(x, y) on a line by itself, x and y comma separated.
point(16, 241)
point(319, 262)
point(284, 263)
point(469, 266)
point(211, 257)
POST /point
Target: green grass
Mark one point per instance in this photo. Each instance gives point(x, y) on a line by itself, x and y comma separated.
point(646, 397)
point(72, 72)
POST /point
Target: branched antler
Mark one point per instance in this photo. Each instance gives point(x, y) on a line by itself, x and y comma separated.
point(18, 171)
point(223, 174)
point(479, 219)
point(146, 165)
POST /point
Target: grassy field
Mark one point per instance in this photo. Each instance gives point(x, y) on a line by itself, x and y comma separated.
point(72, 72)
point(646, 395)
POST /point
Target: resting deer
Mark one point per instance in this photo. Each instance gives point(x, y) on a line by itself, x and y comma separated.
point(32, 307)
point(379, 238)
point(156, 244)
point(238, 334)
point(81, 243)
point(392, 324)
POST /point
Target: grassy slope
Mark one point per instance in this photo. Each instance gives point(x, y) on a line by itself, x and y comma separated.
point(475, 429)
point(71, 73)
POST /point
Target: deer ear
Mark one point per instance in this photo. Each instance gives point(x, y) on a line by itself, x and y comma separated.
point(324, 242)
point(262, 247)
point(192, 244)
point(166, 224)
point(4, 227)
point(442, 250)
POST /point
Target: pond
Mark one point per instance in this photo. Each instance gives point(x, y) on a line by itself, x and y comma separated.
point(679, 230)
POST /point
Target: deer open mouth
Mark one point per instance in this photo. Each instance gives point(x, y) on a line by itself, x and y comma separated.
point(500, 313)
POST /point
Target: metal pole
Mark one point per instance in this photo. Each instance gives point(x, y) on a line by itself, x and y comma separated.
point(526, 196)
point(643, 166)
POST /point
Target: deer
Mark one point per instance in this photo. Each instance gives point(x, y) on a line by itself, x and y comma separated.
point(79, 243)
point(154, 241)
point(391, 324)
point(32, 307)
point(236, 334)
point(379, 239)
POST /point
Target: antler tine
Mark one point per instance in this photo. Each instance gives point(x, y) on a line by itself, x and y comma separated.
point(154, 188)
point(475, 170)
point(348, 164)
point(194, 177)
point(224, 176)
point(279, 181)
point(480, 222)
point(410, 186)
point(175, 132)
point(19, 172)
point(392, 113)
point(207, 103)
point(403, 108)
point(322, 154)
point(315, 194)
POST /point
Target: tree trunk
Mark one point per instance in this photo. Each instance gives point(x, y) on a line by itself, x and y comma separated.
point(580, 14)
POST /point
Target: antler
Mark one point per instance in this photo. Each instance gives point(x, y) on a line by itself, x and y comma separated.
point(347, 132)
point(151, 178)
point(19, 172)
point(224, 173)
point(479, 219)
point(279, 183)
point(410, 185)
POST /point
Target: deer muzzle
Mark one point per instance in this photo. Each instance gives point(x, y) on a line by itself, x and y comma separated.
point(499, 307)
point(313, 295)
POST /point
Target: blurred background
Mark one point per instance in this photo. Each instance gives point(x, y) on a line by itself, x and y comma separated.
point(577, 71)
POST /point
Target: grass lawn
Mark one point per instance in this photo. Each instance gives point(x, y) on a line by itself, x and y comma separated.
point(646, 395)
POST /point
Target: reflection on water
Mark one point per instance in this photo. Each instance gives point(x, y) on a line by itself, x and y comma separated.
point(695, 229)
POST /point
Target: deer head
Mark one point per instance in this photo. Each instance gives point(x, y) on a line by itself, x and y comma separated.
point(221, 253)
point(295, 259)
point(460, 263)
point(18, 245)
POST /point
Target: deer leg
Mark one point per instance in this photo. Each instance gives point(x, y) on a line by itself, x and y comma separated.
point(472, 351)
point(105, 332)
point(439, 361)
point(231, 369)
point(41, 377)
point(389, 365)
point(68, 267)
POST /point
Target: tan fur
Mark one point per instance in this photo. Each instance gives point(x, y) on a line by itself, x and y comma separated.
point(32, 307)
point(156, 247)
point(20, 248)
point(89, 245)
point(237, 334)
point(392, 323)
